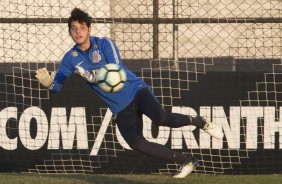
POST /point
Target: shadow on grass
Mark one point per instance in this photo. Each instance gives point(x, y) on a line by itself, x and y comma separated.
point(99, 178)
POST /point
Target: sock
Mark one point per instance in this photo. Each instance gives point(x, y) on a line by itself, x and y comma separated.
point(197, 121)
point(179, 158)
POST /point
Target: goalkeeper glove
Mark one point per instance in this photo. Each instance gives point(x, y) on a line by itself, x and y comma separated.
point(44, 78)
point(85, 74)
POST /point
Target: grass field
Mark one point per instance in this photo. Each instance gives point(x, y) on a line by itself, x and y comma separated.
point(137, 179)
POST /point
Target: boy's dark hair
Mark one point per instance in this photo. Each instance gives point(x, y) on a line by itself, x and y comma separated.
point(80, 16)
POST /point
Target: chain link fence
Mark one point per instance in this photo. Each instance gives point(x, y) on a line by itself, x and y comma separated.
point(36, 31)
point(190, 37)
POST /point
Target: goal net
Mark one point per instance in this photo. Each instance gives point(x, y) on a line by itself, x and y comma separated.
point(219, 59)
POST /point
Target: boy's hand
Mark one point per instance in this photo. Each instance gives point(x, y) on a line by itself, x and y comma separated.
point(85, 74)
point(44, 78)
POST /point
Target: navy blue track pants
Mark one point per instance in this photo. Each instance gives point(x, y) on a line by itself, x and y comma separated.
point(130, 124)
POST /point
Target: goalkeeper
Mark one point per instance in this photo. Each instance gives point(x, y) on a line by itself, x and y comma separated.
point(128, 105)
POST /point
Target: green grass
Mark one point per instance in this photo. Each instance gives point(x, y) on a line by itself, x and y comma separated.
point(137, 179)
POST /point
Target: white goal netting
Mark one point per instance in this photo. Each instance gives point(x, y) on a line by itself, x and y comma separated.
point(219, 59)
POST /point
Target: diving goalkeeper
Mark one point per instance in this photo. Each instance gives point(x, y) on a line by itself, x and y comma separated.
point(88, 55)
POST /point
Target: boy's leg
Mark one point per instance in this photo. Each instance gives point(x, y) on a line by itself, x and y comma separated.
point(130, 125)
point(150, 106)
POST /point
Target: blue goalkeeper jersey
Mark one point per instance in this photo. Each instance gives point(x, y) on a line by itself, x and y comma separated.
point(102, 51)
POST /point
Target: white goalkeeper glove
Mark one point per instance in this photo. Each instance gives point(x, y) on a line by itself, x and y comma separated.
point(44, 78)
point(85, 74)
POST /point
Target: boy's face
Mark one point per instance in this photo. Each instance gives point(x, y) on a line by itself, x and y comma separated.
point(80, 33)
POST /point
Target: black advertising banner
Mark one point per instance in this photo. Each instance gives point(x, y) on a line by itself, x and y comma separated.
point(73, 131)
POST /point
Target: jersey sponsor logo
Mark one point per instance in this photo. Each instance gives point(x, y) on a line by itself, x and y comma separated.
point(96, 56)
point(74, 53)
